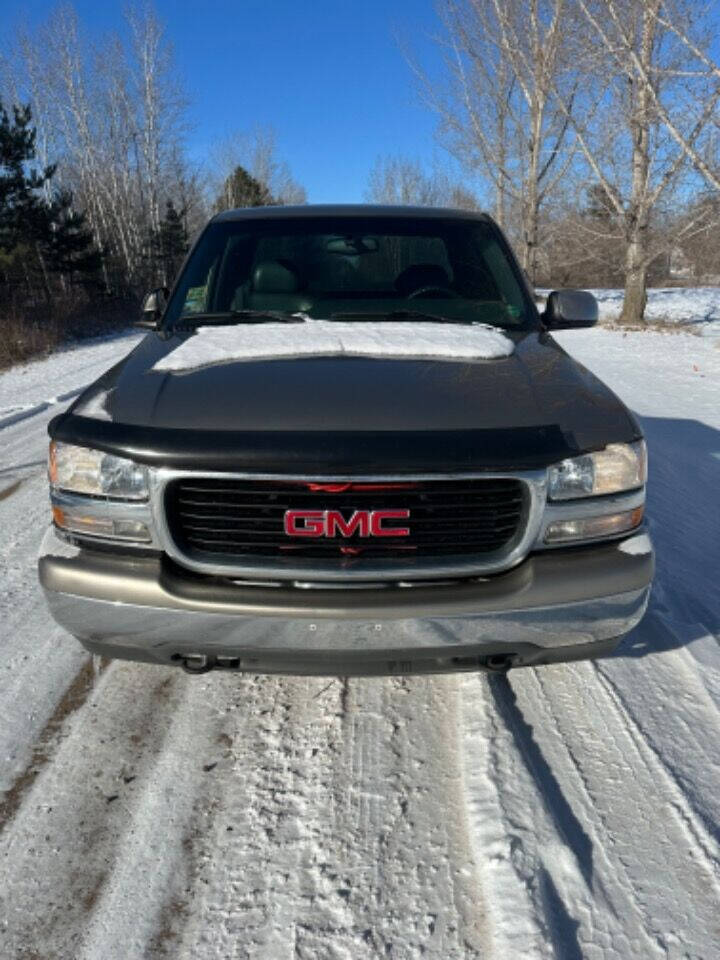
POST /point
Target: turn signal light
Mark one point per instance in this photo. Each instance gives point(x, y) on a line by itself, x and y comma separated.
point(106, 527)
point(593, 528)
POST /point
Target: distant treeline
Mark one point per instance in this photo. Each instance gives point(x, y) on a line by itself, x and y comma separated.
point(589, 128)
point(98, 200)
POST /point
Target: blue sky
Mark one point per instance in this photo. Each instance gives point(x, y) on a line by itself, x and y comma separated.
point(328, 75)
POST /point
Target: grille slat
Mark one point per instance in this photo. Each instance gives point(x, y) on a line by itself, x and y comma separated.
point(422, 488)
point(277, 505)
point(244, 518)
point(259, 536)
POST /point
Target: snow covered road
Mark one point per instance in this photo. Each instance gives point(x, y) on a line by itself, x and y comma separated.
point(568, 811)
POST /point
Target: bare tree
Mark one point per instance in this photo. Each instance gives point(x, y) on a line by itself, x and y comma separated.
point(400, 180)
point(642, 172)
point(158, 103)
point(256, 151)
point(505, 60)
point(700, 111)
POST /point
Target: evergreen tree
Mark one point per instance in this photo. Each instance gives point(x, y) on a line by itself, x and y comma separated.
point(241, 189)
point(169, 244)
point(66, 241)
point(38, 237)
point(20, 203)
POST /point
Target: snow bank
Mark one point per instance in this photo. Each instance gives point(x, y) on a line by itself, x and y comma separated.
point(692, 305)
point(315, 338)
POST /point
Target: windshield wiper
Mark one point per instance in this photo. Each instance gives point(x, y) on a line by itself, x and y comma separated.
point(399, 315)
point(239, 316)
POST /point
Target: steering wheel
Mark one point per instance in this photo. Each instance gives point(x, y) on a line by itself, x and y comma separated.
point(438, 290)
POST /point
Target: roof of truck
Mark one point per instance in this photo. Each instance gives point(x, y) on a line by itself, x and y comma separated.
point(347, 210)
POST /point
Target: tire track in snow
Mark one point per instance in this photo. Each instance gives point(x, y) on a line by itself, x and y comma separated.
point(613, 920)
point(255, 838)
point(647, 849)
point(348, 838)
point(490, 774)
point(701, 832)
point(538, 856)
point(142, 901)
point(39, 661)
point(8, 491)
point(69, 835)
point(63, 373)
point(17, 415)
point(413, 792)
point(73, 699)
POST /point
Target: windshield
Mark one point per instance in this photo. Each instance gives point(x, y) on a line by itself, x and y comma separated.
point(353, 268)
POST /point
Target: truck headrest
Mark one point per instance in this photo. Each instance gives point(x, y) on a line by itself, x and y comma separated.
point(275, 276)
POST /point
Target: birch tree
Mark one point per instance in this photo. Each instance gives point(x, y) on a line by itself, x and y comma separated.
point(505, 60)
point(401, 180)
point(699, 113)
point(643, 171)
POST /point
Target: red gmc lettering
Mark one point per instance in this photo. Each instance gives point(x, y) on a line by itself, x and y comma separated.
point(331, 523)
point(335, 523)
point(305, 523)
point(378, 516)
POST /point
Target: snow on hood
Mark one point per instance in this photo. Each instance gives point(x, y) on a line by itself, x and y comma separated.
point(313, 338)
point(95, 406)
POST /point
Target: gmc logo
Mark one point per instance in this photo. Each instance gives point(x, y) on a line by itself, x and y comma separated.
point(331, 523)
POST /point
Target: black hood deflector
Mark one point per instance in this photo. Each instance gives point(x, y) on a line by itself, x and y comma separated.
point(334, 415)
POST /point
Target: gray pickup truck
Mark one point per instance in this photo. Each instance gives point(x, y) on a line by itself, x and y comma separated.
point(349, 444)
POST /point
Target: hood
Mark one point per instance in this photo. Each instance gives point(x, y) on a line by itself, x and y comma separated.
point(525, 410)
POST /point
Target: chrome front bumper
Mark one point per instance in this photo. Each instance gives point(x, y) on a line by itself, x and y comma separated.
point(558, 605)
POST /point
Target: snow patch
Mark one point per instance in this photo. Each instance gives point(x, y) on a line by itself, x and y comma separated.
point(636, 546)
point(314, 338)
point(95, 407)
point(696, 305)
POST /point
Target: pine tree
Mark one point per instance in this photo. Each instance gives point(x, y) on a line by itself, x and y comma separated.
point(20, 203)
point(38, 238)
point(241, 189)
point(169, 244)
point(67, 243)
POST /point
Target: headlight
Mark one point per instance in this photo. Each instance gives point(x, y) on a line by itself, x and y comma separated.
point(94, 473)
point(617, 468)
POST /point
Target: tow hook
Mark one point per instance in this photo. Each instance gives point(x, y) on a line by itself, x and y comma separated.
point(500, 662)
point(197, 663)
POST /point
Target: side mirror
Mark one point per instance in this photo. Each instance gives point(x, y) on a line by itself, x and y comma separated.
point(570, 309)
point(152, 309)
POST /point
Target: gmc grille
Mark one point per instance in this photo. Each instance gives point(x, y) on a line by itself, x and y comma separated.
point(214, 519)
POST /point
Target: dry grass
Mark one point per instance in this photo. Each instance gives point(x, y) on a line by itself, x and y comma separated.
point(38, 330)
